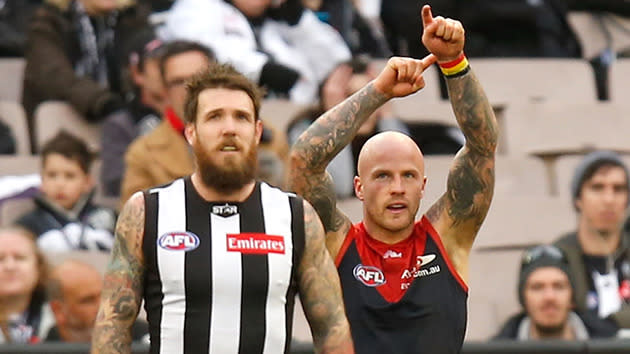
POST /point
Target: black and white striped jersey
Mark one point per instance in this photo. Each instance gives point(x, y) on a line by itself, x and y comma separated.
point(220, 277)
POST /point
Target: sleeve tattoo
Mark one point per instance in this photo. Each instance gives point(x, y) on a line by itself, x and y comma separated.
point(470, 184)
point(320, 291)
point(320, 143)
point(122, 285)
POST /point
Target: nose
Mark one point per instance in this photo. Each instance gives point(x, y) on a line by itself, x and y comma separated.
point(396, 186)
point(229, 125)
point(8, 263)
point(549, 293)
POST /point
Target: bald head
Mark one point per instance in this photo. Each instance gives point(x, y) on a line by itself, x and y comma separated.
point(74, 294)
point(390, 146)
point(70, 275)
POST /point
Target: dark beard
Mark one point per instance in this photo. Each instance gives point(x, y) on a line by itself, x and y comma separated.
point(228, 177)
point(551, 331)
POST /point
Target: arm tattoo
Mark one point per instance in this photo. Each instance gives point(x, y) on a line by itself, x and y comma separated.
point(320, 143)
point(122, 285)
point(471, 179)
point(320, 292)
point(474, 114)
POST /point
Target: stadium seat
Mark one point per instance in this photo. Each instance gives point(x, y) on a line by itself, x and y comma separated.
point(12, 113)
point(619, 84)
point(492, 283)
point(412, 110)
point(12, 74)
point(12, 209)
point(597, 31)
point(18, 164)
point(279, 112)
point(557, 126)
point(52, 116)
point(508, 80)
point(521, 220)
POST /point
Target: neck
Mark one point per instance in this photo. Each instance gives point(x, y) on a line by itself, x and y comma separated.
point(386, 236)
point(13, 305)
point(210, 194)
point(597, 243)
point(564, 333)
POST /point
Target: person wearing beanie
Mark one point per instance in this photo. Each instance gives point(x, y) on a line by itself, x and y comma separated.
point(598, 251)
point(545, 291)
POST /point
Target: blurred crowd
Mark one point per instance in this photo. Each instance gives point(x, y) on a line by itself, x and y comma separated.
point(124, 64)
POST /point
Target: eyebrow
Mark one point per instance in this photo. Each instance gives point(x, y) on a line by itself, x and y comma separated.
point(222, 109)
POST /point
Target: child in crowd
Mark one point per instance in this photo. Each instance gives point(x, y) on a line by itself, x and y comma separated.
point(65, 218)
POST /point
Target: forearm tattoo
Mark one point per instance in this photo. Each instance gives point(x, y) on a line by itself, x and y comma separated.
point(122, 286)
point(471, 179)
point(320, 143)
point(320, 292)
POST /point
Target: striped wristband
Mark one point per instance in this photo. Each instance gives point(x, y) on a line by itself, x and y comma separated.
point(456, 67)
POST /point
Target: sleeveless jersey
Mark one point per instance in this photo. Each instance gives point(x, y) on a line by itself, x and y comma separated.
point(402, 298)
point(220, 276)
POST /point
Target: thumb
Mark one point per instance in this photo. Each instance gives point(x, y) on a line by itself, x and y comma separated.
point(428, 61)
point(427, 16)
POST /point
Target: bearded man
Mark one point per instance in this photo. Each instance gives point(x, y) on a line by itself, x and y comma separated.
point(219, 256)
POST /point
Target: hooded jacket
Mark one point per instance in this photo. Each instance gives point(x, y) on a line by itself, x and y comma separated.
point(85, 227)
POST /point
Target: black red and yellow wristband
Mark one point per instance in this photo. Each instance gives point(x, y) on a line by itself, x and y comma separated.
point(455, 68)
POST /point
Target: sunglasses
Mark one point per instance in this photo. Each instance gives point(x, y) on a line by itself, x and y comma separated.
point(535, 253)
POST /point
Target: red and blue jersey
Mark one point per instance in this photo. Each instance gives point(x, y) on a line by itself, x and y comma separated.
point(405, 297)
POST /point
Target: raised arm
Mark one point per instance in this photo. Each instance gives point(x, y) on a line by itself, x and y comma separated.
point(320, 291)
point(458, 214)
point(332, 131)
point(122, 286)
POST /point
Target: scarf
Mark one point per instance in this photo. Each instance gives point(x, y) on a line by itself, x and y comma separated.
point(95, 39)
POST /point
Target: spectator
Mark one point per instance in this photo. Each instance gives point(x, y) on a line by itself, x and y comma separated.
point(164, 155)
point(342, 168)
point(287, 50)
point(72, 55)
point(65, 218)
point(23, 274)
point(598, 252)
point(545, 291)
point(273, 153)
point(145, 102)
point(361, 36)
point(14, 18)
point(74, 292)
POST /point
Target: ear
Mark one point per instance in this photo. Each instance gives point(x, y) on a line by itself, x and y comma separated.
point(89, 183)
point(190, 133)
point(57, 308)
point(578, 204)
point(259, 130)
point(136, 75)
point(358, 187)
point(424, 185)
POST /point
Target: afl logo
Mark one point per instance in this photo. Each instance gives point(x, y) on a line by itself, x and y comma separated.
point(179, 241)
point(368, 275)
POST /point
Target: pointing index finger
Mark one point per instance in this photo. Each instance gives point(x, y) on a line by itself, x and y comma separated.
point(428, 61)
point(427, 16)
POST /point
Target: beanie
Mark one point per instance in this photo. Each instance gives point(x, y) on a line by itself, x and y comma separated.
point(540, 257)
point(594, 158)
